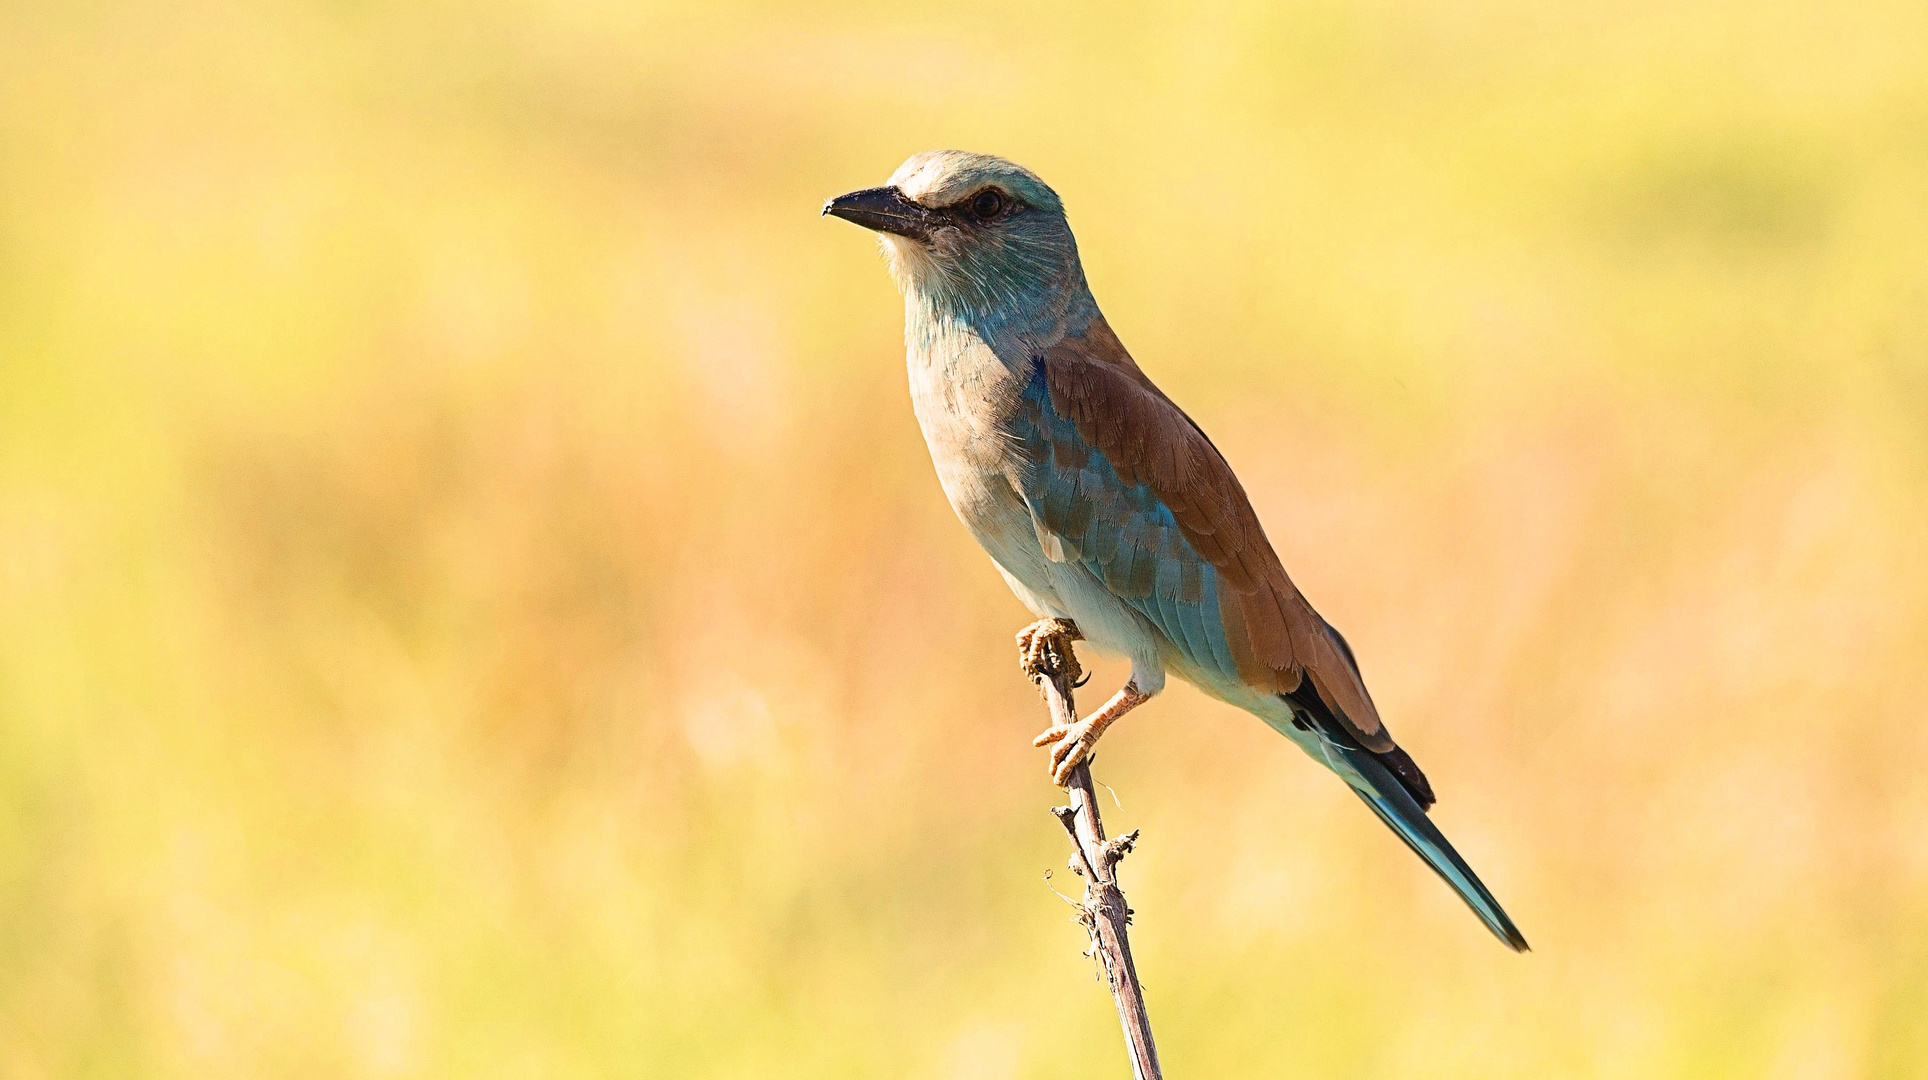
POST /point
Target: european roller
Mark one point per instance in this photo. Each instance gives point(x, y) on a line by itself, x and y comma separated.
point(1108, 511)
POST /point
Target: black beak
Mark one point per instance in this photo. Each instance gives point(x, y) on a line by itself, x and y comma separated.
point(884, 209)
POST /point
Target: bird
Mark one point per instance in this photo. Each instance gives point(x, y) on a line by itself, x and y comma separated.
point(1108, 511)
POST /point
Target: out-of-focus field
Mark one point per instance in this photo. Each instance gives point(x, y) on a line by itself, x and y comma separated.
point(474, 601)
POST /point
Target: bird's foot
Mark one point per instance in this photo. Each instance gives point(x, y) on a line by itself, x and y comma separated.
point(1044, 649)
point(1074, 742)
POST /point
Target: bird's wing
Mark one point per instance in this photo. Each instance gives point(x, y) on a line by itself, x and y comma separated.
point(1123, 481)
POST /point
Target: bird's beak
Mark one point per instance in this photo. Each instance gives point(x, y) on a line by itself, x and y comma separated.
point(884, 209)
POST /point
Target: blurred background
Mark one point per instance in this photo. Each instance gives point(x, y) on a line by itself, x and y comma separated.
point(474, 601)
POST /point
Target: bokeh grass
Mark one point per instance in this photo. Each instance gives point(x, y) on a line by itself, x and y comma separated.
point(473, 600)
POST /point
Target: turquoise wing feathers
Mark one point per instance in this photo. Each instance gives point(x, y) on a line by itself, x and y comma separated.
point(1121, 532)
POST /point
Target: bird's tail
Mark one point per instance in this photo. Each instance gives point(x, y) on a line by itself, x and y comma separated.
point(1378, 788)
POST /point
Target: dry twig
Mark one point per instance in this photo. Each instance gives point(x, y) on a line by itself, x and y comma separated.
point(1054, 667)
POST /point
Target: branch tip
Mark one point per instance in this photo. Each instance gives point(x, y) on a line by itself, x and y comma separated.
point(1048, 659)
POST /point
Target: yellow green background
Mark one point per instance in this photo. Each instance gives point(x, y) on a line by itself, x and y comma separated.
point(474, 602)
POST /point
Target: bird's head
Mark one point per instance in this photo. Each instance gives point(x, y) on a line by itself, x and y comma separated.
point(973, 235)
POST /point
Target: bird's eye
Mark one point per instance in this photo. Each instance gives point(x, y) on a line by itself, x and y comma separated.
point(986, 204)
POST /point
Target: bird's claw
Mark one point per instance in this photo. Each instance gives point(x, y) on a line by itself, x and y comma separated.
point(1074, 743)
point(1044, 649)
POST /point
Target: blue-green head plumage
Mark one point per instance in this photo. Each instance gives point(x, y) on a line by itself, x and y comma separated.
point(976, 240)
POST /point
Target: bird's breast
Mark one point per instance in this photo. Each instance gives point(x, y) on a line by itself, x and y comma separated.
point(967, 401)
